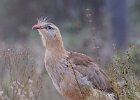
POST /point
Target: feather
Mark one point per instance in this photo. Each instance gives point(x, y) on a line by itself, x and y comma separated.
point(43, 19)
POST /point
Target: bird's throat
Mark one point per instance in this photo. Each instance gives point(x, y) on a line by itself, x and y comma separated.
point(54, 46)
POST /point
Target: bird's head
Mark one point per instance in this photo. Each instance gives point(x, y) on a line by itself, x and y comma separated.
point(46, 29)
point(49, 32)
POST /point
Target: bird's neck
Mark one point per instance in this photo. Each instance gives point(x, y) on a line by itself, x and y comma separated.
point(55, 49)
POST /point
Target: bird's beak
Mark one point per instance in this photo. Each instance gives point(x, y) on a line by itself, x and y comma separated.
point(36, 26)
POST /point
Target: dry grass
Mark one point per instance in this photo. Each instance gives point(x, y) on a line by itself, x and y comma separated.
point(20, 80)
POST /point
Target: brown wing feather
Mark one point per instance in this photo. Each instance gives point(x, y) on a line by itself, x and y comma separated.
point(87, 67)
point(80, 59)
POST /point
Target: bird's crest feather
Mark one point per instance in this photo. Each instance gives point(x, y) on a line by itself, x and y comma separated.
point(43, 19)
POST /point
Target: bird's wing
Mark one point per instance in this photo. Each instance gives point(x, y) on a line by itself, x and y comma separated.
point(87, 67)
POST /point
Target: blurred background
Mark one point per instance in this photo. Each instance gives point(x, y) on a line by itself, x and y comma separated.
point(98, 28)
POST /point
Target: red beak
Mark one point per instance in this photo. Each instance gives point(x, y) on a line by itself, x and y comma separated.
point(37, 27)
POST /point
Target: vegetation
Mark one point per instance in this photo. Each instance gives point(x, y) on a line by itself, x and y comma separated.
point(122, 74)
point(19, 79)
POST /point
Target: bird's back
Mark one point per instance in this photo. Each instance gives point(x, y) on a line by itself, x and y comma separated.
point(87, 67)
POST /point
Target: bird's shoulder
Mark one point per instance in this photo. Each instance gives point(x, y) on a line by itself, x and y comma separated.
point(79, 59)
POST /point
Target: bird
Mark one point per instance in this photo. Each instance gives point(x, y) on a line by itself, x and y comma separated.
point(73, 74)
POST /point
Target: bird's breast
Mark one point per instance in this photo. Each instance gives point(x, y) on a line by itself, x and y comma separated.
point(56, 71)
point(67, 81)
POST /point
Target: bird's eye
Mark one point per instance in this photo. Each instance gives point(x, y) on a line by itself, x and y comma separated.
point(48, 27)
